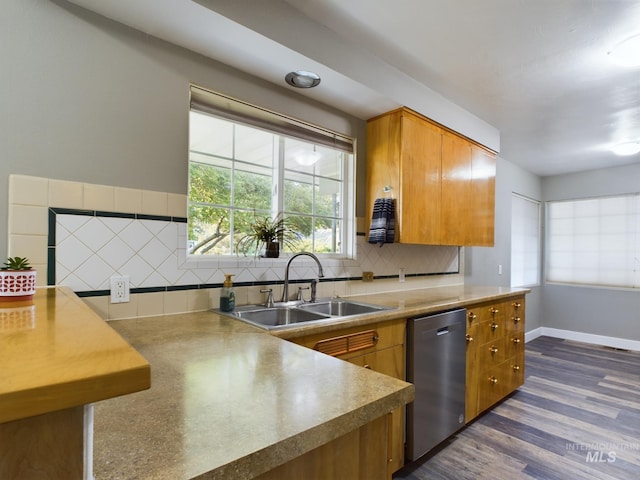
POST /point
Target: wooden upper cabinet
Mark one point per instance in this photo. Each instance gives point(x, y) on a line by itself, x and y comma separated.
point(442, 182)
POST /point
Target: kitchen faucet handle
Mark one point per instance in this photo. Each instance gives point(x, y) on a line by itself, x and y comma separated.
point(269, 302)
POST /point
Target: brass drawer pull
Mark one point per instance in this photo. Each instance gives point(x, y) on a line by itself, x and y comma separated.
point(516, 305)
point(516, 341)
point(471, 316)
point(469, 338)
point(493, 380)
point(494, 326)
point(516, 368)
point(494, 311)
point(516, 319)
point(493, 349)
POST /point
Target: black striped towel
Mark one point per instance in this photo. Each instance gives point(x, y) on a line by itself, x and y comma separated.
point(383, 221)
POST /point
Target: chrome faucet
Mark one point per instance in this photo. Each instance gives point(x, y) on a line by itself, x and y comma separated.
point(285, 288)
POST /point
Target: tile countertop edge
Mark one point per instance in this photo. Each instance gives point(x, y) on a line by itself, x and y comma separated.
point(406, 304)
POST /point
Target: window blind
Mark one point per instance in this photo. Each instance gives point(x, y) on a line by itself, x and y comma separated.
point(594, 241)
point(219, 105)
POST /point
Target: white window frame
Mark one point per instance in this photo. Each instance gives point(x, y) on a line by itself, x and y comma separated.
point(221, 106)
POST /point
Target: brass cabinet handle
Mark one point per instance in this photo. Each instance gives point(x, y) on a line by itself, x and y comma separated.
point(472, 316)
point(469, 338)
point(516, 319)
point(494, 311)
point(516, 341)
point(516, 305)
point(494, 326)
point(493, 349)
point(516, 368)
point(493, 380)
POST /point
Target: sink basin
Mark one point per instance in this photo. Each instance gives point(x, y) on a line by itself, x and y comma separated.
point(340, 307)
point(276, 316)
point(291, 313)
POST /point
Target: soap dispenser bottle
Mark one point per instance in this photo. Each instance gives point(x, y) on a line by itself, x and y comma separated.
point(227, 295)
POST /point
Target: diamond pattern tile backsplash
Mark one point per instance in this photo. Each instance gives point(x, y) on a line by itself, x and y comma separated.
point(73, 237)
point(90, 249)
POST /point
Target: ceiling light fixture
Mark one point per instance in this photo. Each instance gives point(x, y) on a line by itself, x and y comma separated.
point(627, 52)
point(627, 148)
point(302, 79)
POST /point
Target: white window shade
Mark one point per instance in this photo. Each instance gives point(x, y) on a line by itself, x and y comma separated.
point(594, 241)
point(525, 241)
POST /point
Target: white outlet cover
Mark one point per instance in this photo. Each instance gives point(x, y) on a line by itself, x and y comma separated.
point(119, 289)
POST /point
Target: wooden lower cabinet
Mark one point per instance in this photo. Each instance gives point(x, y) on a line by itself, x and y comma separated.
point(386, 356)
point(48, 446)
point(358, 455)
point(495, 353)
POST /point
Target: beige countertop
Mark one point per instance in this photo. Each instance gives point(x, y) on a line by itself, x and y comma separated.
point(406, 304)
point(56, 353)
point(230, 401)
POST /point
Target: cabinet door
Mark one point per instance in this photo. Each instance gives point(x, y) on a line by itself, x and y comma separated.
point(483, 177)
point(419, 209)
point(390, 361)
point(473, 370)
point(383, 161)
point(456, 220)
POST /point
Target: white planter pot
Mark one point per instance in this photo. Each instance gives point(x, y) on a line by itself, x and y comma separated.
point(16, 285)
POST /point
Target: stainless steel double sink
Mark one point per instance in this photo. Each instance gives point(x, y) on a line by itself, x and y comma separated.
point(293, 313)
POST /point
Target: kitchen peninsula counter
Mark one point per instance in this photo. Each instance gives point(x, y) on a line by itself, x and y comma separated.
point(56, 357)
point(228, 401)
point(231, 401)
point(57, 353)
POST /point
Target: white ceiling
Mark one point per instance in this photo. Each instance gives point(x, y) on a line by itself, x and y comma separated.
point(537, 71)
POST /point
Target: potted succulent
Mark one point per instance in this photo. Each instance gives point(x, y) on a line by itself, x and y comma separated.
point(268, 233)
point(17, 280)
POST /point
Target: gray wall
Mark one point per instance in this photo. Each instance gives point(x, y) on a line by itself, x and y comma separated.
point(481, 263)
point(85, 99)
point(598, 311)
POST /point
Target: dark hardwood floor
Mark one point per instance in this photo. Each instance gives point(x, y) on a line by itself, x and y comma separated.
point(576, 417)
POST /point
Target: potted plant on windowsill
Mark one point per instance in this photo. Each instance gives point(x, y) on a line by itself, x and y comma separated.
point(268, 233)
point(17, 280)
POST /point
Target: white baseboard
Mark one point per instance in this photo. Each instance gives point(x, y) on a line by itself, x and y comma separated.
point(583, 337)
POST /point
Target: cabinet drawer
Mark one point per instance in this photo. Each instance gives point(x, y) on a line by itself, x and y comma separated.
point(514, 343)
point(515, 372)
point(492, 353)
point(494, 386)
point(491, 331)
point(390, 361)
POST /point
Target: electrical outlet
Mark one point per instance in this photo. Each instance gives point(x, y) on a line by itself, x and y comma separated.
point(367, 276)
point(120, 289)
point(401, 275)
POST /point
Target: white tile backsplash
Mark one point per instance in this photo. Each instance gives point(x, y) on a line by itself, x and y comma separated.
point(90, 249)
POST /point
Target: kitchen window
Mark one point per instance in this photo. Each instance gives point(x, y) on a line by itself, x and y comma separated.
point(594, 241)
point(525, 241)
point(247, 162)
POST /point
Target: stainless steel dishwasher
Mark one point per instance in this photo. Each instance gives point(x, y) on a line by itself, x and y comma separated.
point(436, 365)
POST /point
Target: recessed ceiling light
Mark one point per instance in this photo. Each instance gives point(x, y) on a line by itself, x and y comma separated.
point(302, 79)
point(627, 52)
point(627, 148)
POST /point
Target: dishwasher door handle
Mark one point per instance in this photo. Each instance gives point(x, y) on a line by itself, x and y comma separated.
point(442, 331)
